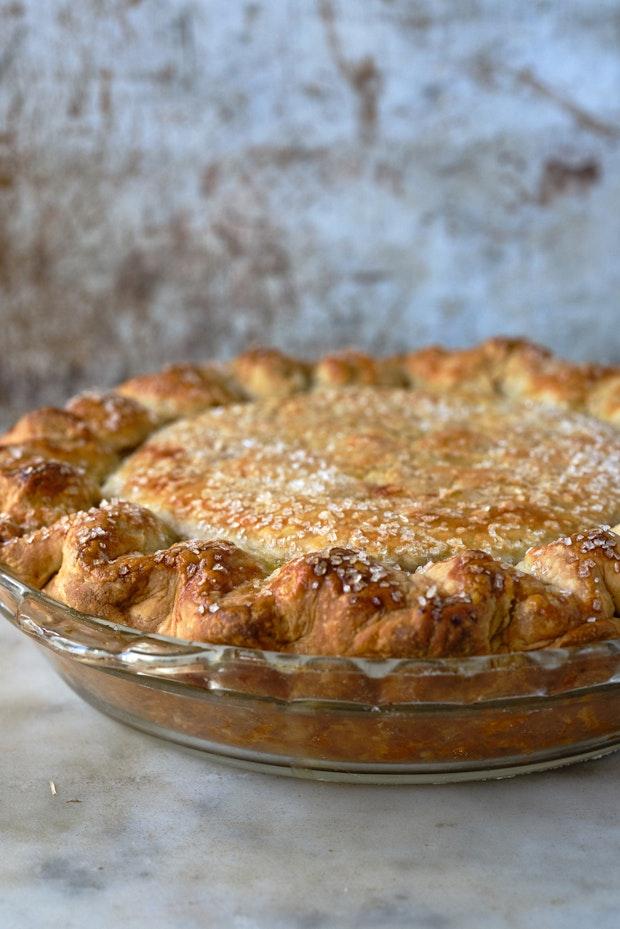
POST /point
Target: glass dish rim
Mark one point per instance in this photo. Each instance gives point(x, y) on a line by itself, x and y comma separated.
point(146, 651)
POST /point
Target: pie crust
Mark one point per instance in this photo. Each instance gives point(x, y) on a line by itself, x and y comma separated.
point(438, 503)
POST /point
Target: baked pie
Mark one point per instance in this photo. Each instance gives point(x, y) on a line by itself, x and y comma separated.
point(438, 503)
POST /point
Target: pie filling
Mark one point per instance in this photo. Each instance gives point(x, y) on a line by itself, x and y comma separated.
point(434, 505)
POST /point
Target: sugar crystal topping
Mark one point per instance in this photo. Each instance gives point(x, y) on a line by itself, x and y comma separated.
point(403, 475)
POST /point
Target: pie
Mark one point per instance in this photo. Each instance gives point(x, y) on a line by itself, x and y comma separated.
point(438, 503)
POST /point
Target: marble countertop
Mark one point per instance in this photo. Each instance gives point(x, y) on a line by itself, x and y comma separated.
point(164, 838)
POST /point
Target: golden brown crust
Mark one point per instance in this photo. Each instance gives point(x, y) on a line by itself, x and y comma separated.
point(48, 423)
point(36, 491)
point(534, 373)
point(512, 368)
point(587, 565)
point(118, 421)
point(479, 369)
point(604, 398)
point(117, 561)
point(206, 573)
point(401, 475)
point(515, 611)
point(36, 556)
point(182, 390)
point(59, 435)
point(353, 367)
point(337, 478)
point(120, 562)
point(267, 372)
point(82, 554)
point(343, 603)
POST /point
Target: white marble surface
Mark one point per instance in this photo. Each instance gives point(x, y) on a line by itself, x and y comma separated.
point(163, 838)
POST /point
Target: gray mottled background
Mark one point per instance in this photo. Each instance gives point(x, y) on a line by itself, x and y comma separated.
point(179, 178)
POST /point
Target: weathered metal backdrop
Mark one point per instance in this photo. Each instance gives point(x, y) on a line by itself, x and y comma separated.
point(181, 177)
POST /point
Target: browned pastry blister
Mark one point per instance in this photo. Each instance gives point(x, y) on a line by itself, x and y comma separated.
point(353, 367)
point(182, 390)
point(345, 475)
point(587, 565)
point(479, 369)
point(535, 373)
point(604, 398)
point(59, 435)
point(35, 491)
point(267, 372)
point(118, 421)
point(512, 368)
point(78, 559)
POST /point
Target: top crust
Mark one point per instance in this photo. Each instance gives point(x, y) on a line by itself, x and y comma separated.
point(316, 491)
point(400, 475)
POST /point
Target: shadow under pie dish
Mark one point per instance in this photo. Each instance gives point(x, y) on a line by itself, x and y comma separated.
point(383, 569)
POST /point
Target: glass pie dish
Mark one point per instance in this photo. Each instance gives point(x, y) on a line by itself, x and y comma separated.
point(346, 719)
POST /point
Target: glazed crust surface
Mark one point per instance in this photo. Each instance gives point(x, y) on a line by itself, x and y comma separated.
point(403, 475)
point(432, 504)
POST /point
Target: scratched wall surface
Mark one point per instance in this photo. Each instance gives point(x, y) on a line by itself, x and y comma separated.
point(179, 178)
